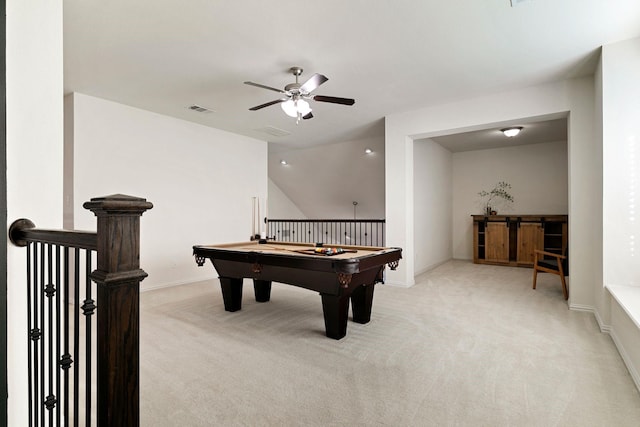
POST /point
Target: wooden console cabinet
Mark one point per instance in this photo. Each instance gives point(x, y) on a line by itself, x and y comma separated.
point(511, 239)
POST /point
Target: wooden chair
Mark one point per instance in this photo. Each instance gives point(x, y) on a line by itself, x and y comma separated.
point(556, 265)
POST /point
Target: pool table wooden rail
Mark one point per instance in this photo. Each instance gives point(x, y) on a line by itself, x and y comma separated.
point(365, 258)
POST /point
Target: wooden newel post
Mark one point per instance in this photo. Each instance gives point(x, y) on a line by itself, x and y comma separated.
point(118, 279)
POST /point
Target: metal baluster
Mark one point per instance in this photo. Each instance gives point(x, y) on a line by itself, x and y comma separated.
point(50, 291)
point(58, 327)
point(347, 233)
point(371, 236)
point(327, 230)
point(87, 308)
point(40, 322)
point(76, 337)
point(354, 236)
point(30, 336)
point(66, 361)
point(334, 230)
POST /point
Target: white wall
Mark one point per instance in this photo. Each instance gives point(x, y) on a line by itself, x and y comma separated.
point(280, 205)
point(575, 97)
point(200, 180)
point(619, 92)
point(34, 159)
point(537, 174)
point(621, 162)
point(323, 182)
point(601, 296)
point(433, 191)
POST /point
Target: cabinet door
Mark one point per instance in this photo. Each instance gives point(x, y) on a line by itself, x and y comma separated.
point(497, 242)
point(530, 237)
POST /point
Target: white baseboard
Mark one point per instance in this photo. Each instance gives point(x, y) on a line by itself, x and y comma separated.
point(626, 358)
point(430, 267)
point(396, 284)
point(172, 284)
point(590, 309)
point(607, 329)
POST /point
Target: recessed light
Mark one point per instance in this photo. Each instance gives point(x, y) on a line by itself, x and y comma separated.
point(283, 162)
point(512, 131)
point(368, 151)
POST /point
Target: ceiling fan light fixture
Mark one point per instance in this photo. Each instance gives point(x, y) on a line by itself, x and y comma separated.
point(296, 109)
point(289, 107)
point(303, 107)
point(511, 131)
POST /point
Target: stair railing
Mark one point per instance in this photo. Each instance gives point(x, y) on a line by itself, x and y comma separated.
point(64, 352)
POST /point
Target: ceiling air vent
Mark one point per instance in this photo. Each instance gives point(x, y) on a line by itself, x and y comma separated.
point(199, 108)
point(274, 131)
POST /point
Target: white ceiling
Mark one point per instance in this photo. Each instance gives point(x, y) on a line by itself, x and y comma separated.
point(390, 55)
point(535, 132)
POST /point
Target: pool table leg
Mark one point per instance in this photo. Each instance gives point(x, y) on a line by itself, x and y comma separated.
point(361, 302)
point(231, 293)
point(262, 290)
point(336, 311)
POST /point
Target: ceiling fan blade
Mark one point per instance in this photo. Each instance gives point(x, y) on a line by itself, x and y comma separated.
point(334, 100)
point(277, 101)
point(307, 116)
point(313, 82)
point(264, 87)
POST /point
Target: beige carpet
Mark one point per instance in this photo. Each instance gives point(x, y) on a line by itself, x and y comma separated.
point(468, 345)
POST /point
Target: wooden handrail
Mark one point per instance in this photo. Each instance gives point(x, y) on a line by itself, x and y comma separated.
point(23, 231)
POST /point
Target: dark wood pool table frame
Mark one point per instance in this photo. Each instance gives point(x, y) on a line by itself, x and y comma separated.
point(337, 279)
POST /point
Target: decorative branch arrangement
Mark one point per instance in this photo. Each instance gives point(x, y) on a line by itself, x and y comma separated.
point(499, 194)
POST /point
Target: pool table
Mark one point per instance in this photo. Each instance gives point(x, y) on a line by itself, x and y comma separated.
point(350, 275)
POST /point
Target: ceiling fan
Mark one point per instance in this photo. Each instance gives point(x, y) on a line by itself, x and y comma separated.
point(294, 103)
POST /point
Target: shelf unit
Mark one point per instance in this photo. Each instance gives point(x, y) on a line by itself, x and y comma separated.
point(511, 239)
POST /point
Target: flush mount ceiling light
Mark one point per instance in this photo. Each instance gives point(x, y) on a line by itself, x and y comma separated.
point(512, 131)
point(283, 162)
point(368, 151)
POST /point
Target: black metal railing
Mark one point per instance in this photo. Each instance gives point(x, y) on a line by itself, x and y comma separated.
point(364, 232)
point(53, 272)
point(78, 369)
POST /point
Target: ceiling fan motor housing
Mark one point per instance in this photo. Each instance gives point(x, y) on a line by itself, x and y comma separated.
point(293, 88)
